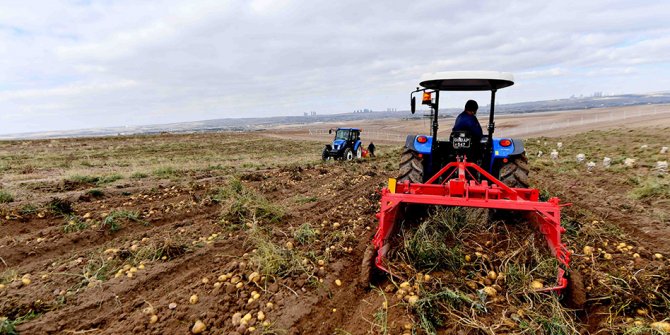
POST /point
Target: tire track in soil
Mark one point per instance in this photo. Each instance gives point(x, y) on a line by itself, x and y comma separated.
point(335, 308)
point(74, 246)
point(162, 283)
point(115, 306)
point(55, 245)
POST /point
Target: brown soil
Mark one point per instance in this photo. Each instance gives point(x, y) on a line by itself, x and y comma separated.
point(78, 283)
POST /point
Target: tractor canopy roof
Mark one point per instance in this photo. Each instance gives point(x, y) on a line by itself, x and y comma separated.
point(348, 129)
point(467, 80)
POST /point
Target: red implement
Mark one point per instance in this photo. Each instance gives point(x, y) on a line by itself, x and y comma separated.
point(461, 188)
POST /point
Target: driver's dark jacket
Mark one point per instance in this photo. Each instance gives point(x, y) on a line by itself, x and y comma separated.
point(469, 123)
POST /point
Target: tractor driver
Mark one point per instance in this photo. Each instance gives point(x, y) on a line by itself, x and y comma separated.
point(467, 121)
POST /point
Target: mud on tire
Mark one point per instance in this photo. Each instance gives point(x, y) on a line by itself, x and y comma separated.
point(411, 167)
point(515, 172)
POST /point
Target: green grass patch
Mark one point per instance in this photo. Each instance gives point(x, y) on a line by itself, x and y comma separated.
point(113, 222)
point(431, 303)
point(28, 209)
point(139, 175)
point(108, 179)
point(272, 259)
point(74, 224)
point(165, 172)
point(242, 205)
point(8, 326)
point(435, 242)
point(59, 206)
point(304, 200)
point(96, 193)
point(102, 269)
point(79, 179)
point(5, 197)
point(652, 188)
point(305, 234)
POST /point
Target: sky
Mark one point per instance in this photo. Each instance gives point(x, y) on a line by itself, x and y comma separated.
point(87, 64)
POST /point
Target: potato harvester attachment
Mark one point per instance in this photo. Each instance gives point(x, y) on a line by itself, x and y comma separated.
point(461, 188)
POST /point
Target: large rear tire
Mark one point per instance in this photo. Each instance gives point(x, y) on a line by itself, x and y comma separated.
point(411, 167)
point(368, 267)
point(515, 172)
point(348, 154)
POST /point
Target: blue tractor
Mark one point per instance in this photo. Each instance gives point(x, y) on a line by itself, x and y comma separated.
point(347, 145)
point(424, 155)
point(467, 170)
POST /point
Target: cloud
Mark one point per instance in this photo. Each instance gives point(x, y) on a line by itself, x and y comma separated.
point(88, 64)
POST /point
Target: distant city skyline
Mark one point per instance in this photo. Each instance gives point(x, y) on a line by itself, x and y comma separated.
point(86, 64)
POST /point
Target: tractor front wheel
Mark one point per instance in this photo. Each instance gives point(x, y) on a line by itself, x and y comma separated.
point(325, 155)
point(411, 167)
point(348, 154)
point(514, 173)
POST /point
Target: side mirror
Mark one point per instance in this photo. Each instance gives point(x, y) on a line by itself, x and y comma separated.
point(330, 131)
point(413, 105)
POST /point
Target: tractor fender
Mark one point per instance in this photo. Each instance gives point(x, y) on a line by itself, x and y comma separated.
point(422, 148)
point(518, 146)
point(503, 152)
point(357, 144)
point(329, 147)
point(409, 142)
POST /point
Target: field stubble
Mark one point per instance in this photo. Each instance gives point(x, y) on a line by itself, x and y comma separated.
point(238, 233)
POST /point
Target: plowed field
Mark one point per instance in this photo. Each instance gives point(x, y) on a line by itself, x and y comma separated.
point(239, 233)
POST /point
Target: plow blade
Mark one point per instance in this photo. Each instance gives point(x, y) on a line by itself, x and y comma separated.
point(462, 189)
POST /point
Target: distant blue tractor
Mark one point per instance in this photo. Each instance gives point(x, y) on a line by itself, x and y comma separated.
point(347, 145)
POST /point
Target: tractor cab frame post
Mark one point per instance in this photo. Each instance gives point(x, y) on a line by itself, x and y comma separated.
point(436, 107)
point(491, 127)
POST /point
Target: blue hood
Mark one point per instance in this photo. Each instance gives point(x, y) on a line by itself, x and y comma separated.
point(338, 143)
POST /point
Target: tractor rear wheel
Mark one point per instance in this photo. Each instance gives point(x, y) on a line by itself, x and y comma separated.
point(514, 173)
point(411, 167)
point(359, 152)
point(348, 154)
point(368, 266)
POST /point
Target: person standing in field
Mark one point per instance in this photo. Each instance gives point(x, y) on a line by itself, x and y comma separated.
point(371, 149)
